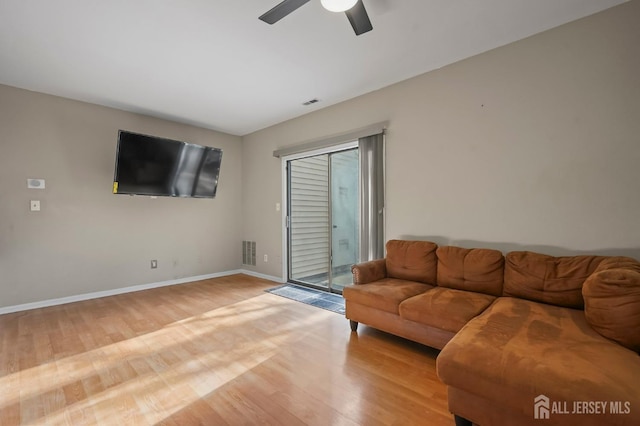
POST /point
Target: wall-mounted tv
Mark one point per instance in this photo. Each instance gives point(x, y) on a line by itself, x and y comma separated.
point(148, 165)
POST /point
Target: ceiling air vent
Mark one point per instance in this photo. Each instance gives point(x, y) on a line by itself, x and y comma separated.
point(312, 101)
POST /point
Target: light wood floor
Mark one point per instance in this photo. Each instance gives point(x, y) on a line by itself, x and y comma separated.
point(215, 352)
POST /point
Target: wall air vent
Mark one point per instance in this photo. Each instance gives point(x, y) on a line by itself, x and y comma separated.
point(312, 101)
point(249, 253)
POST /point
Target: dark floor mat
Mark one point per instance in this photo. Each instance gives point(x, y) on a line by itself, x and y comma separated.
point(319, 299)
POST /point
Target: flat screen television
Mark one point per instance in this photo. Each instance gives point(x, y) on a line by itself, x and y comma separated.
point(148, 165)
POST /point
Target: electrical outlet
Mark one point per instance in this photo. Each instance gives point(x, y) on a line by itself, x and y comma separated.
point(154, 264)
point(34, 205)
point(266, 258)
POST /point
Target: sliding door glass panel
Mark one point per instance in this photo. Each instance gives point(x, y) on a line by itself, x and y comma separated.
point(309, 229)
point(343, 167)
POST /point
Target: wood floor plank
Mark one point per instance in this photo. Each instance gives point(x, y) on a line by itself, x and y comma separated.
point(214, 352)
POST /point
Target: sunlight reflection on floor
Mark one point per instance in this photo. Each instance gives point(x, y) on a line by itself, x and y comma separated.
point(211, 353)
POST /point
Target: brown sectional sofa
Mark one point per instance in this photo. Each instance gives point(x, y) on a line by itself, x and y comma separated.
point(564, 330)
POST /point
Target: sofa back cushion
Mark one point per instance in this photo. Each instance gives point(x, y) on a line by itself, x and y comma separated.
point(547, 279)
point(412, 260)
point(618, 262)
point(477, 270)
point(612, 304)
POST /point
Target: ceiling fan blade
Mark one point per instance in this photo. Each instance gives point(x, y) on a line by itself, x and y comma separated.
point(359, 18)
point(281, 10)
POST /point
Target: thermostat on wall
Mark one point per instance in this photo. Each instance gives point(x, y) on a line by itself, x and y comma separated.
point(35, 183)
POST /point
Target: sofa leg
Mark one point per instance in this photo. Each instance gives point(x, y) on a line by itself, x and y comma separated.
point(461, 421)
point(354, 325)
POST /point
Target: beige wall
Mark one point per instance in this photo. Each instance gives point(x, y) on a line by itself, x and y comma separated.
point(86, 239)
point(533, 145)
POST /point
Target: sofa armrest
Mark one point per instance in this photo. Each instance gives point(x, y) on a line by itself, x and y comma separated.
point(367, 272)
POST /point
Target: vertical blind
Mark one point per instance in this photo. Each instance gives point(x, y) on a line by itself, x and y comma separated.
point(371, 149)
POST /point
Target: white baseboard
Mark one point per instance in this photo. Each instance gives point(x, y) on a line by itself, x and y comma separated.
point(98, 294)
point(263, 276)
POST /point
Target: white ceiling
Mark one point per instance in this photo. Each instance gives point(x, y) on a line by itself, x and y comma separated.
point(212, 63)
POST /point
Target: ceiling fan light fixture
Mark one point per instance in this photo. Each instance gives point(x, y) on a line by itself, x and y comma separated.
point(338, 5)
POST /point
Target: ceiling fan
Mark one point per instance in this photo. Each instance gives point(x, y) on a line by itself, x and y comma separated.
point(354, 9)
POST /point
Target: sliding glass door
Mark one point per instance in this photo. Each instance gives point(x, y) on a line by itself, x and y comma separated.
point(323, 219)
point(345, 215)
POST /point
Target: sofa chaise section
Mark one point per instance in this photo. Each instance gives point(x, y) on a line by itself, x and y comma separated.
point(544, 339)
point(518, 349)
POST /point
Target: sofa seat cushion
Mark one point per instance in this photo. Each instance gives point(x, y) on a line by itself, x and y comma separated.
point(445, 308)
point(517, 350)
point(385, 294)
